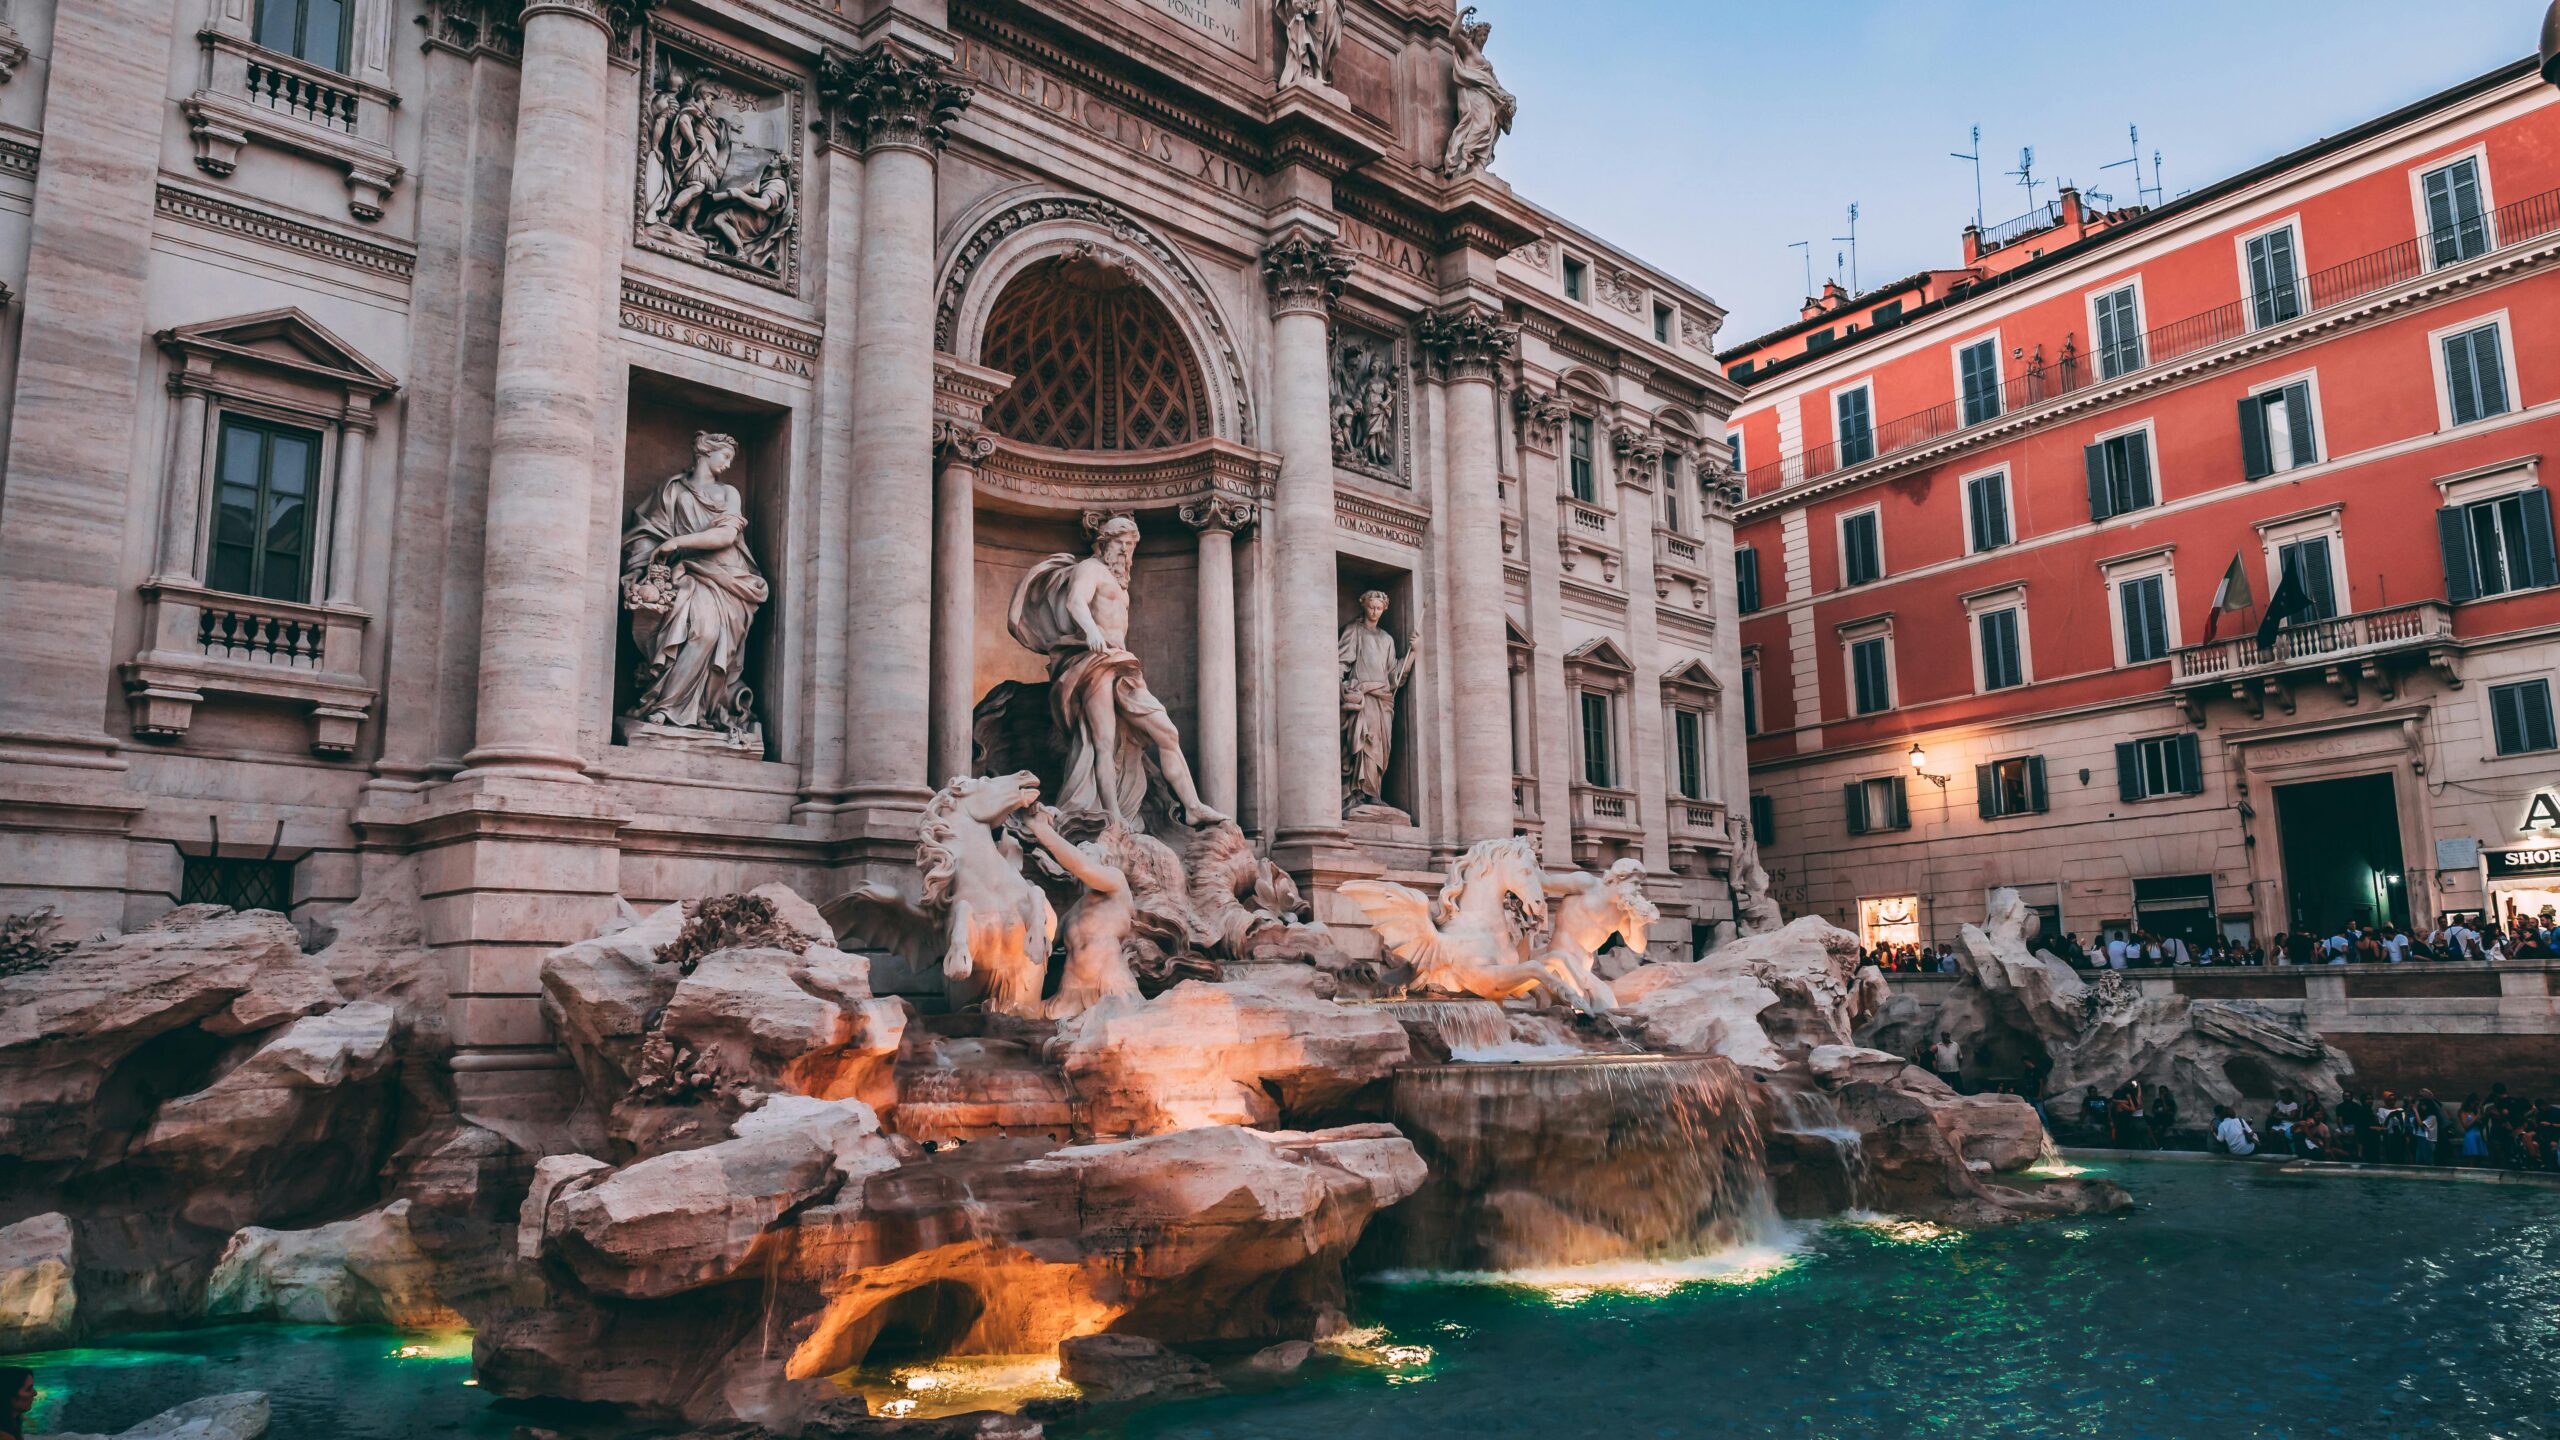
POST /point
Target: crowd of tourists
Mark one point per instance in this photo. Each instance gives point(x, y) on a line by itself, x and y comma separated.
point(2497, 1130)
point(2354, 942)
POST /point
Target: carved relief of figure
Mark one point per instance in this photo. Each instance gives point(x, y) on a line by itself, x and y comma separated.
point(1372, 676)
point(696, 154)
point(1097, 924)
point(693, 589)
point(717, 181)
point(1364, 406)
point(1589, 909)
point(1485, 109)
point(1075, 610)
point(754, 220)
point(1377, 427)
point(1310, 34)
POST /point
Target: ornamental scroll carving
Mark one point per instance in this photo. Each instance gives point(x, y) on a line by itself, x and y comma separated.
point(720, 173)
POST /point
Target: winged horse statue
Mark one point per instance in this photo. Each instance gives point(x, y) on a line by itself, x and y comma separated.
point(1475, 939)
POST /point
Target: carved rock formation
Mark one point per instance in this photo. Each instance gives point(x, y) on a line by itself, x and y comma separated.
point(1236, 1054)
point(39, 1292)
point(240, 1416)
point(367, 1270)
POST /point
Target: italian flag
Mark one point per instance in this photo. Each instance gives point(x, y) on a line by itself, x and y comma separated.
point(2231, 594)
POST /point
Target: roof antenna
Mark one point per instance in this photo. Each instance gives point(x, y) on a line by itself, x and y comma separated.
point(1976, 158)
point(2026, 173)
point(2141, 193)
point(1807, 247)
point(1852, 238)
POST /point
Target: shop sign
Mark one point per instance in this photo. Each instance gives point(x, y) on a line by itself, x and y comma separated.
point(2536, 860)
point(2542, 814)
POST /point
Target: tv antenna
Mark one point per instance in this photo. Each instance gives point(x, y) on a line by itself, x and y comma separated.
point(1852, 239)
point(2026, 173)
point(2142, 193)
point(1976, 158)
point(1807, 247)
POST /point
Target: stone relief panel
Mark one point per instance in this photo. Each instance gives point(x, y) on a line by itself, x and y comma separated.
point(720, 169)
point(1370, 406)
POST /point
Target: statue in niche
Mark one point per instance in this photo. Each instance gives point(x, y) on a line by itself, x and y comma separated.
point(1364, 406)
point(1310, 34)
point(693, 589)
point(1075, 610)
point(1372, 676)
point(1485, 109)
point(718, 182)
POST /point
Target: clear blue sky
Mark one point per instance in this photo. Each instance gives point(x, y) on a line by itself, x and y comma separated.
point(1703, 135)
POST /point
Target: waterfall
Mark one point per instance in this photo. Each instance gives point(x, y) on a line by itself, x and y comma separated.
point(1573, 1163)
point(1808, 1117)
point(1482, 1031)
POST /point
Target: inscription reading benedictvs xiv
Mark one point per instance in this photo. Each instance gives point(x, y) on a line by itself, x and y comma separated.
point(1034, 86)
point(1220, 20)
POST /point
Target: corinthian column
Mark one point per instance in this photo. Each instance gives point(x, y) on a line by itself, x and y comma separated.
point(1471, 342)
point(1217, 518)
point(898, 103)
point(542, 440)
point(955, 594)
point(1306, 272)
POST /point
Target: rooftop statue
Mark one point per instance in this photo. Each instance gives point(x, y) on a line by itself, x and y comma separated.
point(1485, 109)
point(1075, 610)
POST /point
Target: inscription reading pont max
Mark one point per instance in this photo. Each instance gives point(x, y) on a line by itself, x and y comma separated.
point(1220, 20)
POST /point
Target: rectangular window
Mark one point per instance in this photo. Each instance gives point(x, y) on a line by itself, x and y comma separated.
point(1750, 699)
point(1577, 279)
point(2475, 375)
point(2161, 765)
point(1870, 677)
point(2307, 561)
point(2145, 603)
point(1861, 549)
point(263, 481)
point(2119, 333)
point(1599, 762)
point(2523, 715)
point(2497, 545)
point(1746, 580)
point(1978, 374)
point(239, 884)
point(2275, 285)
point(313, 30)
point(1883, 803)
point(1671, 490)
point(1986, 510)
point(1662, 322)
point(2276, 432)
point(1689, 746)
point(2457, 222)
point(1579, 465)
point(2010, 787)
point(2003, 667)
point(1856, 413)
point(1764, 819)
point(1733, 450)
point(2119, 474)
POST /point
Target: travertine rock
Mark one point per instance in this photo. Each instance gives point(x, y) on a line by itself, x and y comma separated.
point(806, 1021)
point(1238, 1054)
point(363, 1271)
point(240, 1416)
point(1812, 965)
point(39, 1292)
point(1117, 1368)
point(1699, 1008)
point(296, 1123)
point(1925, 1151)
point(600, 995)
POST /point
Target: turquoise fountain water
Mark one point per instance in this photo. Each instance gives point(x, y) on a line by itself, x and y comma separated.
point(2235, 1302)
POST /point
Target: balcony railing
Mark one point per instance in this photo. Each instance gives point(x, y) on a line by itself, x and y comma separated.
point(1599, 810)
point(2072, 368)
point(1696, 822)
point(2363, 635)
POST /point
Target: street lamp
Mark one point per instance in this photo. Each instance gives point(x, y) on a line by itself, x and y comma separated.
point(2551, 43)
point(1919, 758)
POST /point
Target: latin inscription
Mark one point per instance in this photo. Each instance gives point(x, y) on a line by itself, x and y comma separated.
point(1105, 121)
point(1220, 20)
point(1371, 243)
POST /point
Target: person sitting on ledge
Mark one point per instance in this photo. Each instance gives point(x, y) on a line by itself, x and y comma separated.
point(2231, 1134)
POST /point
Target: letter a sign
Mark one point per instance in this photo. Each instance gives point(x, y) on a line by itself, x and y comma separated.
point(2543, 813)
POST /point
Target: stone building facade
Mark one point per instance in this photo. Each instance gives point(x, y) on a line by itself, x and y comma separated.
point(2012, 529)
point(366, 357)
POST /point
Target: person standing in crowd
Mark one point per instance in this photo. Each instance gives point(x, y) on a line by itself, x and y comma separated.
point(1947, 1059)
point(2119, 950)
point(2163, 1116)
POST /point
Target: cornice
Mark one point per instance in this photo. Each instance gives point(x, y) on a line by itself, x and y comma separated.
point(974, 21)
point(213, 213)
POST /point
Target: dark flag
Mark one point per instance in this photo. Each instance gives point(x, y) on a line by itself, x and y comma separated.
point(2289, 601)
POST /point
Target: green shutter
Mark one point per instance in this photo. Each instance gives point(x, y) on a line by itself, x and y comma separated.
point(2036, 799)
point(2461, 572)
point(2256, 460)
point(2541, 566)
point(2489, 370)
point(2297, 419)
point(1901, 793)
point(2128, 770)
point(1986, 794)
point(1853, 797)
point(2191, 761)
point(2096, 458)
point(2137, 469)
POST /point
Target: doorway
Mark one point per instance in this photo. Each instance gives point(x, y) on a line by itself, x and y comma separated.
point(2341, 844)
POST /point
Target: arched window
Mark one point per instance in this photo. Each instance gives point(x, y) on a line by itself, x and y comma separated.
point(1097, 361)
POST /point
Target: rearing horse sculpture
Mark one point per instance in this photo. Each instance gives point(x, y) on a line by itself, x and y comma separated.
point(1475, 939)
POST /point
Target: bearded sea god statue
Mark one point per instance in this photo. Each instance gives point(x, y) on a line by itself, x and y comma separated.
point(1485, 109)
point(1372, 676)
point(693, 589)
point(1075, 610)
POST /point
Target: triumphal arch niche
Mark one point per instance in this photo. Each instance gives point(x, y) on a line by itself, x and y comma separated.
point(1089, 382)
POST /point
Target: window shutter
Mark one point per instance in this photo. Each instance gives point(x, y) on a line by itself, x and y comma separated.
point(2453, 533)
point(1901, 792)
point(2297, 418)
point(1985, 793)
point(2137, 467)
point(2506, 717)
point(2036, 800)
point(2491, 371)
point(2191, 762)
point(2096, 455)
point(2440, 226)
point(1854, 801)
point(2540, 563)
point(2255, 460)
point(2460, 389)
point(2128, 770)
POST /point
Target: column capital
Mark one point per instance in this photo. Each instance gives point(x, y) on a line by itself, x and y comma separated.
point(959, 442)
point(1542, 415)
point(1220, 511)
point(1639, 454)
point(618, 17)
point(890, 97)
point(1305, 271)
point(1471, 341)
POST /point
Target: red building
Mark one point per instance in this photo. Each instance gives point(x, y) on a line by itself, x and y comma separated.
point(1988, 511)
